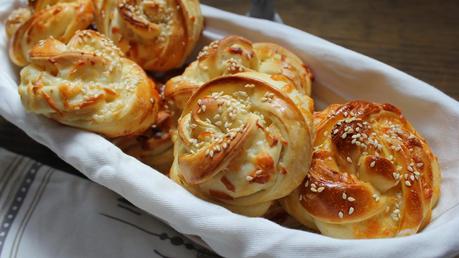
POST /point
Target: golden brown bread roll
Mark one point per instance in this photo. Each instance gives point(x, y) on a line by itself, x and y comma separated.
point(87, 83)
point(372, 175)
point(48, 18)
point(242, 142)
point(153, 147)
point(234, 54)
point(158, 35)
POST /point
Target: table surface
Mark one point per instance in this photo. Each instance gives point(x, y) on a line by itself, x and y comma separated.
point(419, 37)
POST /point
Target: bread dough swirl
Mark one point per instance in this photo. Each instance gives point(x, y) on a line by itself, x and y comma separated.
point(157, 34)
point(47, 18)
point(153, 147)
point(372, 174)
point(234, 54)
point(242, 143)
point(87, 83)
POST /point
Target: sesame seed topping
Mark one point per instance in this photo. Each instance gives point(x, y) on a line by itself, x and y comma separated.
point(373, 163)
point(249, 178)
point(351, 210)
point(349, 159)
point(351, 199)
point(407, 183)
point(340, 214)
point(320, 189)
point(344, 195)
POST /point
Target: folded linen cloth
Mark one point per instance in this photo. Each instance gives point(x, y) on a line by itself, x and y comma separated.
point(341, 75)
point(49, 213)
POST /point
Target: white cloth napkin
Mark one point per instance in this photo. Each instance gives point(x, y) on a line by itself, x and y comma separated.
point(48, 213)
point(341, 75)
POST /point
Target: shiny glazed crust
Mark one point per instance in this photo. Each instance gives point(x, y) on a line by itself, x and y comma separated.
point(242, 143)
point(234, 54)
point(47, 18)
point(158, 35)
point(87, 83)
point(372, 175)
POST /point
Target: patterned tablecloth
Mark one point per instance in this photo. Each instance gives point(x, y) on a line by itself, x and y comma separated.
point(48, 213)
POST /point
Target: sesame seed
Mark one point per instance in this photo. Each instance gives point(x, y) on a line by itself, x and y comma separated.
point(412, 177)
point(396, 176)
point(340, 214)
point(351, 210)
point(320, 189)
point(351, 199)
point(407, 183)
point(419, 165)
point(344, 196)
point(301, 197)
point(335, 131)
point(313, 190)
point(349, 159)
point(306, 183)
point(373, 163)
point(249, 178)
point(376, 197)
point(410, 169)
point(344, 135)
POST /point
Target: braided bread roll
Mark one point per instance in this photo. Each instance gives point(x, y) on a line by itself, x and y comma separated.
point(242, 143)
point(234, 54)
point(87, 83)
point(153, 147)
point(158, 35)
point(372, 174)
point(48, 18)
